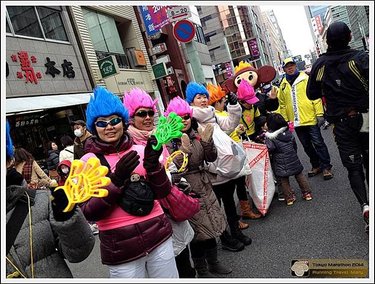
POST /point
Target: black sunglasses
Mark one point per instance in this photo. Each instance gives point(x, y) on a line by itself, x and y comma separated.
point(112, 122)
point(186, 117)
point(144, 113)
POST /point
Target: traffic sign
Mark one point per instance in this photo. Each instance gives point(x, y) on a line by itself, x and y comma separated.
point(184, 31)
point(176, 13)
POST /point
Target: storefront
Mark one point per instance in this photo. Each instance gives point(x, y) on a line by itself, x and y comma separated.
point(47, 84)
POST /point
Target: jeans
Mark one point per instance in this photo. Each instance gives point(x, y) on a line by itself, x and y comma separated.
point(314, 146)
point(353, 147)
point(160, 263)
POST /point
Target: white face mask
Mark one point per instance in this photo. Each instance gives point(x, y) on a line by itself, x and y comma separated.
point(65, 170)
point(78, 132)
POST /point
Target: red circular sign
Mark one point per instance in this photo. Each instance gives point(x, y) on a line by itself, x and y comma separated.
point(184, 31)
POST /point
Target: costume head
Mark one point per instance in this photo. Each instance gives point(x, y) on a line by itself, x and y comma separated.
point(216, 93)
point(245, 71)
point(246, 93)
point(136, 99)
point(338, 35)
point(104, 103)
point(194, 89)
point(179, 106)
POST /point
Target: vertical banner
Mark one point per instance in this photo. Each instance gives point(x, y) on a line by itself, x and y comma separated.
point(154, 18)
point(254, 50)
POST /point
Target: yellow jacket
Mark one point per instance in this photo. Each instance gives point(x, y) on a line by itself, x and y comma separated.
point(294, 104)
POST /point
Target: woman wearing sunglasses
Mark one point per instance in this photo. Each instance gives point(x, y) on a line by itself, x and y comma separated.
point(209, 223)
point(132, 246)
point(141, 110)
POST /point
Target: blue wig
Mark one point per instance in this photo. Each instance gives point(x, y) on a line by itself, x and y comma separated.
point(104, 103)
point(194, 89)
point(10, 151)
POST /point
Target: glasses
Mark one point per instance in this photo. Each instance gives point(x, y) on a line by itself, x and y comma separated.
point(186, 117)
point(112, 122)
point(144, 113)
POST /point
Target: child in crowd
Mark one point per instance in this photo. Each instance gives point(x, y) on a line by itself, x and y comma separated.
point(63, 170)
point(282, 146)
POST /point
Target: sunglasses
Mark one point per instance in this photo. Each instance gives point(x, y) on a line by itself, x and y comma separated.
point(186, 117)
point(112, 122)
point(144, 113)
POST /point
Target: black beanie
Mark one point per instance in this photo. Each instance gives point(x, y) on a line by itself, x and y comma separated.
point(338, 35)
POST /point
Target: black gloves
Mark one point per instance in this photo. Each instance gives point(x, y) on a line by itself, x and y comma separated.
point(151, 158)
point(59, 202)
point(232, 98)
point(124, 168)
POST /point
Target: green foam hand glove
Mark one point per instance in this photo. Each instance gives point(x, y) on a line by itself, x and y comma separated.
point(168, 128)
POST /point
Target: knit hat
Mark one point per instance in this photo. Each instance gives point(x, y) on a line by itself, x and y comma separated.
point(338, 35)
point(136, 99)
point(216, 93)
point(194, 89)
point(104, 103)
point(246, 93)
point(179, 106)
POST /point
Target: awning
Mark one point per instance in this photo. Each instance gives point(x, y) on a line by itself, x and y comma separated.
point(40, 103)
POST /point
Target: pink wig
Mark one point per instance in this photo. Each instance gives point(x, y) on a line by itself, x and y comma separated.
point(136, 99)
point(179, 106)
point(246, 93)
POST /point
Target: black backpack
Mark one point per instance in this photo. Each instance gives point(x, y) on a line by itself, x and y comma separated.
point(137, 198)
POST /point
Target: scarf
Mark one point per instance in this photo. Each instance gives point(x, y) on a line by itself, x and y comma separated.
point(292, 78)
point(139, 136)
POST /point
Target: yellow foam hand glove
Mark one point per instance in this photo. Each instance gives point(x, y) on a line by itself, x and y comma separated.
point(85, 180)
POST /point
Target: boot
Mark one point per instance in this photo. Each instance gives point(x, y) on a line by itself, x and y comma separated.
point(230, 243)
point(214, 266)
point(200, 266)
point(237, 234)
point(246, 210)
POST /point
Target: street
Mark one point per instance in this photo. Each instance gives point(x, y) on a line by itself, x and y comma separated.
point(328, 227)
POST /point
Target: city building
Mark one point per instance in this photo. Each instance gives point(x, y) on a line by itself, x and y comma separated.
point(233, 34)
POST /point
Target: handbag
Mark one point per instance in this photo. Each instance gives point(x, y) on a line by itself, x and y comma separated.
point(179, 205)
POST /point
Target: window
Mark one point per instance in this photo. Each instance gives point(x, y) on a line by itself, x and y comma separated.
point(41, 22)
point(103, 32)
point(105, 37)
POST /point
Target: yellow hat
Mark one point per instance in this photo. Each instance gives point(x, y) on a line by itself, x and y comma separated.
point(288, 60)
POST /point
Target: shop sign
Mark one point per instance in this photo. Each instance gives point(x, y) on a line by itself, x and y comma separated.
point(159, 48)
point(27, 70)
point(254, 50)
point(108, 66)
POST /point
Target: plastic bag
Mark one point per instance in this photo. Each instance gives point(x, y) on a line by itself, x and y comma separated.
point(260, 182)
point(231, 157)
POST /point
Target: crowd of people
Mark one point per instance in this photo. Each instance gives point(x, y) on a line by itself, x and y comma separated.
point(161, 221)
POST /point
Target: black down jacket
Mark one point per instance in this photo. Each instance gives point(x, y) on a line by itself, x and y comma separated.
point(282, 147)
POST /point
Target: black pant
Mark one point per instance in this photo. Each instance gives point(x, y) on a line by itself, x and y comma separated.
point(198, 248)
point(353, 147)
point(241, 188)
point(224, 193)
point(184, 265)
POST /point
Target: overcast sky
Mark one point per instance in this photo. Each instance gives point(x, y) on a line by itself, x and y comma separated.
point(294, 26)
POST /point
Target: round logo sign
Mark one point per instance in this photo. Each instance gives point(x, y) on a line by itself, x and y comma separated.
point(184, 31)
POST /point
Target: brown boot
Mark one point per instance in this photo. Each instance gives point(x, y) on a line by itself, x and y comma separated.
point(246, 211)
